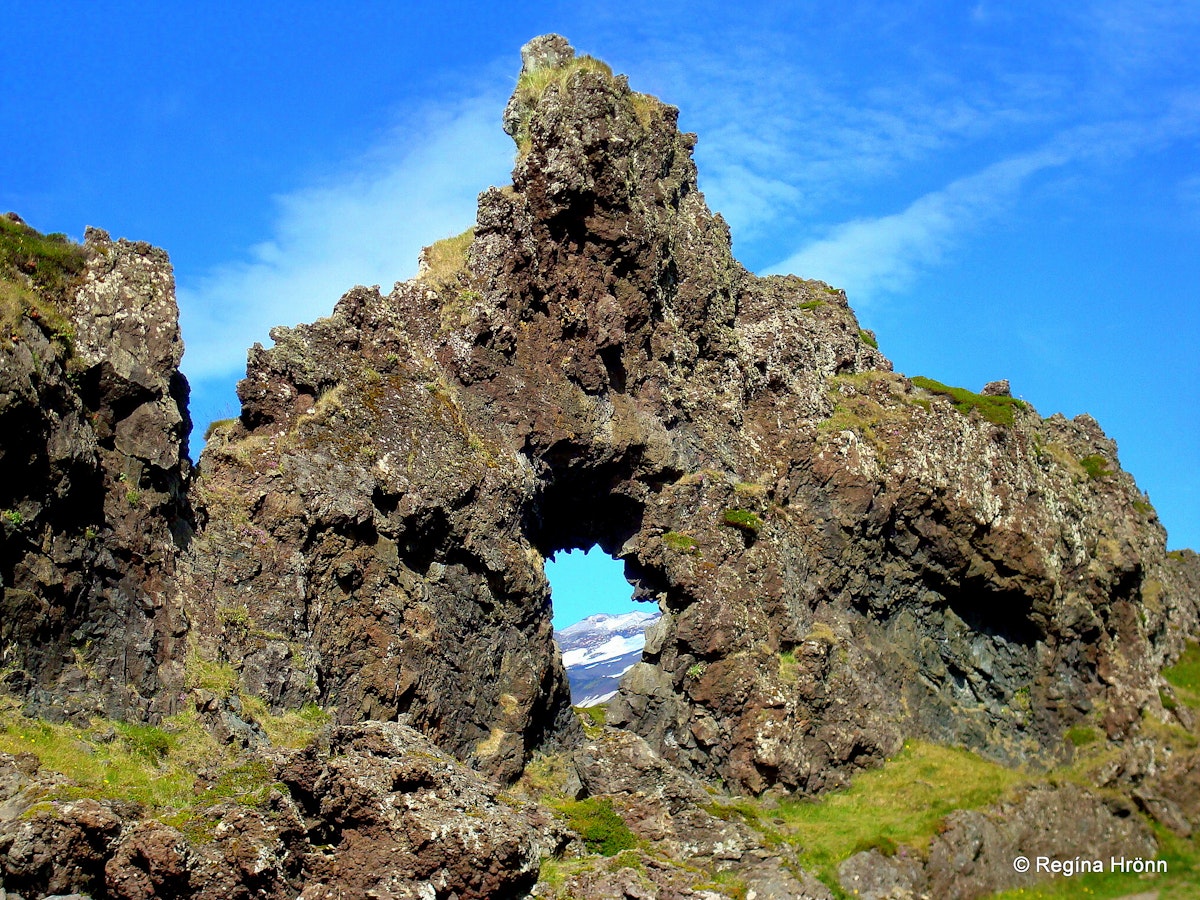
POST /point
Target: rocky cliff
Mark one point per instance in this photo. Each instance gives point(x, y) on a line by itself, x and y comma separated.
point(844, 557)
point(93, 473)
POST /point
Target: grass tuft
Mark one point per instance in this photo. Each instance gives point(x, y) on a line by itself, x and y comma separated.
point(742, 519)
point(445, 261)
point(904, 801)
point(1184, 676)
point(1095, 465)
point(602, 829)
point(997, 410)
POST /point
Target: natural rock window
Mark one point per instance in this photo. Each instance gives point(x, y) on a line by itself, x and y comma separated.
point(598, 625)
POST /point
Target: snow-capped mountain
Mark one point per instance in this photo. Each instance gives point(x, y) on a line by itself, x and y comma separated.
point(598, 650)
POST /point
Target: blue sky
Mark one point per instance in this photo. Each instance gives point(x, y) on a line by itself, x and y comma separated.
point(1005, 190)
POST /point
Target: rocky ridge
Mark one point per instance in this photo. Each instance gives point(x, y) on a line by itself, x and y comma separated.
point(843, 557)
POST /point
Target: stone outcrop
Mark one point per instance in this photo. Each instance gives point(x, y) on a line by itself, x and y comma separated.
point(93, 472)
point(973, 854)
point(376, 811)
point(842, 556)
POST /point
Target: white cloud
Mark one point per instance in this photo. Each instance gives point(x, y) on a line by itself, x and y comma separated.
point(871, 257)
point(365, 225)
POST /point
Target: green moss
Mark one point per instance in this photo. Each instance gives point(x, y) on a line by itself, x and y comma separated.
point(13, 517)
point(903, 801)
point(1082, 735)
point(679, 542)
point(249, 784)
point(997, 410)
point(1184, 676)
point(742, 519)
point(603, 831)
point(866, 337)
point(812, 304)
point(147, 740)
point(787, 667)
point(1095, 465)
point(728, 884)
point(210, 675)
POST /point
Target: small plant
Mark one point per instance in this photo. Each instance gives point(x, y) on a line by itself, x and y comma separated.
point(234, 616)
point(145, 740)
point(1184, 676)
point(742, 519)
point(997, 410)
point(680, 542)
point(812, 304)
point(602, 829)
point(445, 261)
point(90, 533)
point(868, 339)
point(218, 425)
point(1082, 735)
point(133, 497)
point(1095, 465)
point(1169, 703)
point(13, 517)
point(695, 670)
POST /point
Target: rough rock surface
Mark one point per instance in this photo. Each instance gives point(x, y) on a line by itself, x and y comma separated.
point(973, 854)
point(678, 817)
point(93, 472)
point(842, 556)
point(377, 812)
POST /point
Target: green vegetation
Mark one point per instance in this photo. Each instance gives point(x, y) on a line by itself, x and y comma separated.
point(1184, 676)
point(1095, 465)
point(602, 829)
point(695, 670)
point(218, 425)
point(742, 519)
point(446, 260)
point(592, 719)
point(532, 85)
point(1181, 882)
point(856, 407)
point(36, 272)
point(867, 339)
point(997, 410)
point(1082, 735)
point(904, 801)
point(787, 667)
point(13, 517)
point(812, 304)
point(680, 543)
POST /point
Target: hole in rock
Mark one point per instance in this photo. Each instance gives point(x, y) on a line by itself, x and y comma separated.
point(598, 625)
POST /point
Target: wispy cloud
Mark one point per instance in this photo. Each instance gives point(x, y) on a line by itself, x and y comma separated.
point(364, 225)
point(871, 257)
point(876, 256)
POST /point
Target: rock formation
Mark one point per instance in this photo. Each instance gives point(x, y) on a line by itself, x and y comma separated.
point(93, 473)
point(843, 557)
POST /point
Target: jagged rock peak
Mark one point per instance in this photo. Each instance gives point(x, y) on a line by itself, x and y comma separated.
point(546, 51)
